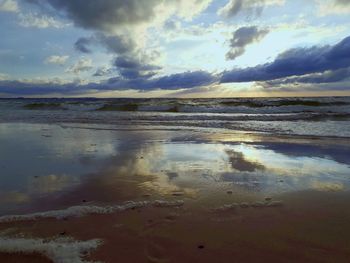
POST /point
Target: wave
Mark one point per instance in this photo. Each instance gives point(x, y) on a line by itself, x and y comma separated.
point(281, 103)
point(256, 105)
point(43, 106)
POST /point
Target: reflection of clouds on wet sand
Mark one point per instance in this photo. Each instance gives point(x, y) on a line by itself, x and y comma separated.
point(327, 186)
point(13, 198)
point(51, 183)
point(110, 165)
point(142, 166)
point(239, 162)
point(268, 170)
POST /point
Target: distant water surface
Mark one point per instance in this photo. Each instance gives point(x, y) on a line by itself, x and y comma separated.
point(326, 116)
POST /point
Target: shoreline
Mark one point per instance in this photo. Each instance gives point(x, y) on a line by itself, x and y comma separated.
point(246, 197)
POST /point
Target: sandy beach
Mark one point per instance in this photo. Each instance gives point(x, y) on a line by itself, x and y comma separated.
point(83, 193)
point(174, 131)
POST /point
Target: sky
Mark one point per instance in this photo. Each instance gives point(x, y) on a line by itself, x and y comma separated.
point(174, 48)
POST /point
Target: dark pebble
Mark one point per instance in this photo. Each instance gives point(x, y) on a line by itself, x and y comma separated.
point(200, 246)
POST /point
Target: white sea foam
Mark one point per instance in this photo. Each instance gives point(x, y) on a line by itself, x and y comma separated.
point(65, 250)
point(79, 211)
point(228, 207)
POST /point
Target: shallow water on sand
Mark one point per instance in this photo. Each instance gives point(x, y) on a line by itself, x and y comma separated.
point(47, 166)
point(254, 186)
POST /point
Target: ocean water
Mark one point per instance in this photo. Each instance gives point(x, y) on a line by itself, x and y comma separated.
point(326, 116)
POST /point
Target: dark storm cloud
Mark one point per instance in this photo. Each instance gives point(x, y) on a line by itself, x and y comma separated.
point(184, 80)
point(117, 44)
point(103, 15)
point(295, 62)
point(242, 37)
point(82, 44)
point(131, 67)
point(103, 71)
point(19, 88)
point(325, 77)
point(342, 2)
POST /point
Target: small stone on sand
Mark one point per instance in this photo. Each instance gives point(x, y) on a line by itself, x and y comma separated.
point(177, 193)
point(200, 246)
point(258, 204)
point(229, 192)
point(275, 204)
point(244, 205)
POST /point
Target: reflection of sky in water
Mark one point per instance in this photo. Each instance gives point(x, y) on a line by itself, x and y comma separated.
point(43, 160)
point(37, 160)
point(251, 167)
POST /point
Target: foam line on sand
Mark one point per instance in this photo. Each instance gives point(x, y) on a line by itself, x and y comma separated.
point(83, 210)
point(64, 250)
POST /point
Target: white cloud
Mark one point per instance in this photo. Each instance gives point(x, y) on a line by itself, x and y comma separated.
point(329, 7)
point(57, 60)
point(39, 21)
point(8, 6)
point(4, 76)
point(252, 7)
point(84, 64)
point(129, 19)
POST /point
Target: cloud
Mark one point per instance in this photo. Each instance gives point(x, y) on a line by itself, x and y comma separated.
point(3, 76)
point(329, 76)
point(250, 7)
point(84, 64)
point(121, 25)
point(172, 25)
point(243, 37)
point(342, 2)
point(103, 71)
point(8, 6)
point(118, 44)
point(295, 62)
point(185, 80)
point(329, 7)
point(113, 15)
point(56, 60)
point(83, 44)
point(133, 68)
point(39, 21)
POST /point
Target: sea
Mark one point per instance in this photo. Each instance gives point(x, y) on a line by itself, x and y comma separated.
point(316, 116)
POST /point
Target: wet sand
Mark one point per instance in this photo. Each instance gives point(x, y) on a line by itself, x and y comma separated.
point(246, 197)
